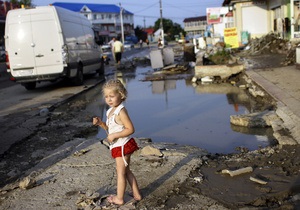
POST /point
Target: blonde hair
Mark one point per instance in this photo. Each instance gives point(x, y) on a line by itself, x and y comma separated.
point(117, 86)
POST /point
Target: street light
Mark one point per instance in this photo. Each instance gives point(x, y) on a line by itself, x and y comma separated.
point(121, 19)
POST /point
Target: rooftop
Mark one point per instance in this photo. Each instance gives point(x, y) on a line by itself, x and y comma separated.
point(96, 8)
point(191, 19)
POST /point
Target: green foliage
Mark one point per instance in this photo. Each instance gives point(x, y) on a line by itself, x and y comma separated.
point(170, 28)
point(140, 33)
point(21, 2)
point(220, 57)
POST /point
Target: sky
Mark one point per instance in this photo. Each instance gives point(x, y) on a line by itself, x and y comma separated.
point(146, 12)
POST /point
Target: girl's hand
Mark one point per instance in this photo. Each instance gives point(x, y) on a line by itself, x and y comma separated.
point(111, 138)
point(95, 120)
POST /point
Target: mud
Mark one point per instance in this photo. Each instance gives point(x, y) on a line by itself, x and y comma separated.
point(278, 166)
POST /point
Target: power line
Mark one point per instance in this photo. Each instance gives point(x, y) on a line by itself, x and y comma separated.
point(146, 8)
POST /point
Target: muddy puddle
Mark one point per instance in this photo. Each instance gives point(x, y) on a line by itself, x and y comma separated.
point(178, 111)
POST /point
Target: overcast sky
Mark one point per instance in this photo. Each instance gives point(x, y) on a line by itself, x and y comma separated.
point(146, 12)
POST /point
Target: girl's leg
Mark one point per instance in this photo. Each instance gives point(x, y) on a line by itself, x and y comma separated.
point(132, 180)
point(121, 182)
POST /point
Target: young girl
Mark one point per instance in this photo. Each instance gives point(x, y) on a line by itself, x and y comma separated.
point(122, 145)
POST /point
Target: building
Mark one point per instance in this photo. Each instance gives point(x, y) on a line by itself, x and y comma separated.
point(278, 16)
point(195, 25)
point(105, 17)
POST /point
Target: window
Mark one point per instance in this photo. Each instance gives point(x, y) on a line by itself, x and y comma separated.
point(94, 16)
point(111, 28)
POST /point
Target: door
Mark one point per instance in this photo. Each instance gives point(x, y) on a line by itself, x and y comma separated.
point(20, 51)
point(47, 42)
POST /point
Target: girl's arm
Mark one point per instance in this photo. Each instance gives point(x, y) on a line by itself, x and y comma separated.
point(122, 119)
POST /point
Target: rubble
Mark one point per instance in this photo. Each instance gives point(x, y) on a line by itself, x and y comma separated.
point(271, 44)
point(254, 120)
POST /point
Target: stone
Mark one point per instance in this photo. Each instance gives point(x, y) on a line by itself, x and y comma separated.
point(253, 120)
point(150, 151)
point(27, 183)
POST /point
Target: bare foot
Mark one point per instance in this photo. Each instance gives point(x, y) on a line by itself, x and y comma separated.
point(136, 197)
point(114, 200)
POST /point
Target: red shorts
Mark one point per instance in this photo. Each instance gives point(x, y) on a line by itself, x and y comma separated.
point(129, 148)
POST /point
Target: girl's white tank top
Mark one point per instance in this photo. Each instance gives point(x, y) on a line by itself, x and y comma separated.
point(114, 127)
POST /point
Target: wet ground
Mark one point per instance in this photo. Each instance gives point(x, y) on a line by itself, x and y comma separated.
point(279, 166)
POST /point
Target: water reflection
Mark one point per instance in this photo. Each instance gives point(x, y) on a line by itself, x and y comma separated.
point(179, 112)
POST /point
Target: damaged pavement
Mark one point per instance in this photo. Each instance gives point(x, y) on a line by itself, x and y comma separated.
point(79, 173)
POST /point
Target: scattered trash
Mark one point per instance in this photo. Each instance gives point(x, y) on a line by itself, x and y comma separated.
point(259, 181)
point(237, 172)
point(206, 79)
point(81, 152)
point(198, 179)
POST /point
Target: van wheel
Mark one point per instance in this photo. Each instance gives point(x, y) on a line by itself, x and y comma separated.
point(29, 85)
point(78, 80)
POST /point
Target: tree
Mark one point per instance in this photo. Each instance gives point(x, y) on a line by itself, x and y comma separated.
point(26, 3)
point(140, 34)
point(170, 28)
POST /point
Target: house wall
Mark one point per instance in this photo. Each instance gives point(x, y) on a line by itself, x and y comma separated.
point(252, 17)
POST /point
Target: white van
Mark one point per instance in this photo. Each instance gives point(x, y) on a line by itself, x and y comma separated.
point(47, 43)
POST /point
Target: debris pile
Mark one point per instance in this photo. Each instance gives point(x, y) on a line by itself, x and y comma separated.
point(271, 44)
point(174, 71)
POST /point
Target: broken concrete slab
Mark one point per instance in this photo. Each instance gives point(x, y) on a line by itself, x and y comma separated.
point(222, 71)
point(254, 120)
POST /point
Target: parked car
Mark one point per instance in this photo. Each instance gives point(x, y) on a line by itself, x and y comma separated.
point(128, 45)
point(132, 38)
point(106, 48)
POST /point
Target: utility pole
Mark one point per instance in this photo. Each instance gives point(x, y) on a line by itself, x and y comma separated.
point(144, 23)
point(292, 19)
point(161, 24)
point(121, 19)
